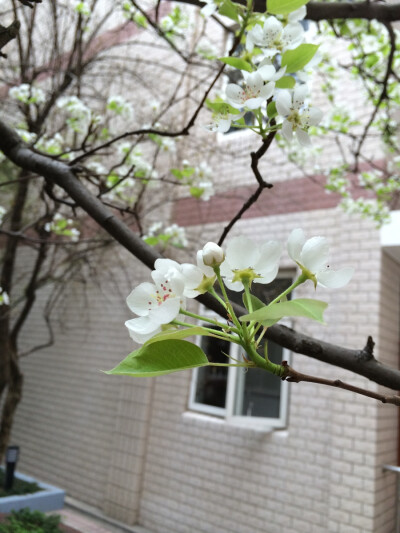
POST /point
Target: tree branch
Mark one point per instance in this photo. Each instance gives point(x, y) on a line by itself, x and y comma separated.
point(8, 33)
point(361, 361)
point(337, 10)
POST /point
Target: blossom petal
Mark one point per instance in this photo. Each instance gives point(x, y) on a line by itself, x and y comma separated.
point(236, 286)
point(193, 276)
point(208, 9)
point(266, 72)
point(163, 264)
point(314, 116)
point(287, 130)
point(292, 35)
point(297, 15)
point(267, 277)
point(139, 298)
point(303, 137)
point(254, 81)
point(315, 253)
point(299, 95)
point(207, 270)
point(254, 103)
point(166, 312)
point(334, 279)
point(224, 125)
point(283, 102)
point(272, 28)
point(169, 271)
point(241, 253)
point(295, 244)
point(270, 253)
point(142, 329)
point(267, 90)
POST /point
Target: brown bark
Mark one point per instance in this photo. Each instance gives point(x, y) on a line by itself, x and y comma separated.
point(13, 395)
point(336, 10)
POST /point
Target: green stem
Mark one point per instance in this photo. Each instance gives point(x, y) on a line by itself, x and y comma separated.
point(301, 279)
point(224, 336)
point(249, 304)
point(245, 365)
point(266, 364)
point(227, 302)
point(217, 297)
point(202, 318)
point(220, 334)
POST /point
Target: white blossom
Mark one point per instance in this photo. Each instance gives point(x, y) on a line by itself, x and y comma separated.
point(209, 8)
point(4, 298)
point(177, 235)
point(28, 94)
point(274, 36)
point(120, 106)
point(80, 115)
point(246, 260)
point(253, 93)
point(212, 254)
point(312, 257)
point(298, 117)
point(26, 136)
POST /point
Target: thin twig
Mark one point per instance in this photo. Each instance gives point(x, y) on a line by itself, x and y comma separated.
point(296, 377)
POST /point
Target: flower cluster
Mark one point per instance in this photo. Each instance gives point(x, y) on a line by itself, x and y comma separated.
point(27, 94)
point(120, 106)
point(276, 97)
point(3, 211)
point(160, 304)
point(158, 235)
point(63, 227)
point(4, 298)
point(79, 114)
point(199, 179)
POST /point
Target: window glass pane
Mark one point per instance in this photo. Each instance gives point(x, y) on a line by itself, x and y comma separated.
point(258, 392)
point(212, 381)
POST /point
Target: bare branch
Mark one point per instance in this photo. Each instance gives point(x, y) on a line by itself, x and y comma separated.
point(296, 377)
point(360, 361)
point(337, 10)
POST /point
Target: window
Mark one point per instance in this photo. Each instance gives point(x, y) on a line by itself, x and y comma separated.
point(249, 397)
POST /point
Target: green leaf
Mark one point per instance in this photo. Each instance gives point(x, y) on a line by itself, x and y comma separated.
point(222, 107)
point(271, 110)
point(305, 307)
point(286, 82)
point(151, 241)
point(228, 9)
point(284, 7)
point(161, 358)
point(196, 192)
point(177, 173)
point(180, 334)
point(298, 58)
point(255, 302)
point(237, 62)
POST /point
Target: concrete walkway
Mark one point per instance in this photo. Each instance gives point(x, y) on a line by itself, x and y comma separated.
point(87, 519)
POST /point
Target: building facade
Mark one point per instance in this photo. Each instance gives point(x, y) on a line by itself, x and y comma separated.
point(190, 452)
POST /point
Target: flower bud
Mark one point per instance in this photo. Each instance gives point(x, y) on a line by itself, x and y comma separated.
point(213, 255)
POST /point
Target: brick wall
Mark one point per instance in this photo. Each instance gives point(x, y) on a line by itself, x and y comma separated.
point(322, 473)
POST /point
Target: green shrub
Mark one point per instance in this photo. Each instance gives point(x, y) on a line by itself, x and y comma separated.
point(27, 521)
point(19, 487)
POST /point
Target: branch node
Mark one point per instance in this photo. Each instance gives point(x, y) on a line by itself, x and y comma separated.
point(367, 353)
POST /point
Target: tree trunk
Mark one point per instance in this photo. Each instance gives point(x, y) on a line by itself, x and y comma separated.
point(13, 395)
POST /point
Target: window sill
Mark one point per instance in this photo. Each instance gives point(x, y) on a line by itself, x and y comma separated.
point(249, 426)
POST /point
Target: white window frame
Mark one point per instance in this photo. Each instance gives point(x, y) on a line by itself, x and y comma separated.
point(227, 412)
